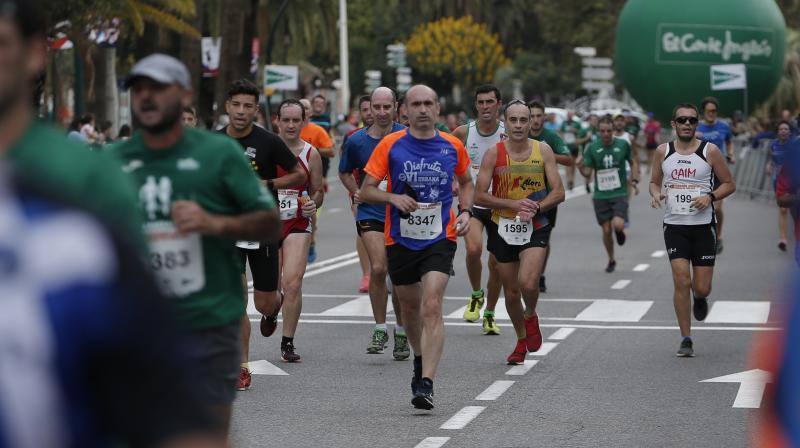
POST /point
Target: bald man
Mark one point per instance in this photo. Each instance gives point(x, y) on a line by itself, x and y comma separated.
point(370, 218)
point(421, 227)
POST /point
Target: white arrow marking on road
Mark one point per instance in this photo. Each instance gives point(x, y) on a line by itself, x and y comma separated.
point(545, 349)
point(523, 368)
point(432, 442)
point(658, 254)
point(751, 388)
point(263, 367)
point(561, 334)
point(620, 284)
point(494, 391)
point(641, 267)
point(463, 417)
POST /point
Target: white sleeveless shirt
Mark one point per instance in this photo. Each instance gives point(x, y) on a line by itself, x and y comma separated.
point(685, 178)
point(477, 144)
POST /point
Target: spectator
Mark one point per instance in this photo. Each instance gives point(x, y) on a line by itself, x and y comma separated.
point(124, 132)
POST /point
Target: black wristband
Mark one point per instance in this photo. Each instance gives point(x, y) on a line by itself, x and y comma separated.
point(462, 210)
point(713, 198)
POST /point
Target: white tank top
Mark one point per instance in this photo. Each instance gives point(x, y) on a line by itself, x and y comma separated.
point(685, 178)
point(477, 144)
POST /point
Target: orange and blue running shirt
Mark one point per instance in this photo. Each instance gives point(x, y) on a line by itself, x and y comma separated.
point(519, 180)
point(427, 166)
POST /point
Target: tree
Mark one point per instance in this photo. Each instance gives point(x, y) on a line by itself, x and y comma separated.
point(457, 50)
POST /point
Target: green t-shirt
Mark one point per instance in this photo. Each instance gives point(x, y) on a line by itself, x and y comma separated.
point(202, 274)
point(442, 127)
point(571, 131)
point(554, 140)
point(69, 170)
point(609, 167)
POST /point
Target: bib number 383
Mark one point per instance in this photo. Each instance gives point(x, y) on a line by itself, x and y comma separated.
point(176, 259)
point(423, 224)
point(515, 233)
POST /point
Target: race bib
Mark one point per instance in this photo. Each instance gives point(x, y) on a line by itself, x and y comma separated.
point(569, 138)
point(514, 232)
point(176, 259)
point(384, 185)
point(288, 202)
point(473, 170)
point(680, 200)
point(249, 245)
point(423, 224)
point(608, 179)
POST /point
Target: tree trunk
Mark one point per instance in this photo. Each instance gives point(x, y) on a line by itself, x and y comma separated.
point(111, 94)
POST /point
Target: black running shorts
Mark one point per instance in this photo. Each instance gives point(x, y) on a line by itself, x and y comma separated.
point(215, 355)
point(263, 266)
point(507, 253)
point(407, 266)
point(369, 225)
point(484, 215)
point(696, 243)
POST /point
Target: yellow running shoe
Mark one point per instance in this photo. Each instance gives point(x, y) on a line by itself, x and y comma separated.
point(489, 325)
point(473, 311)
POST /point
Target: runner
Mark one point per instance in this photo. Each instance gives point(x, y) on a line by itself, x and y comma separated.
point(652, 132)
point(575, 137)
point(370, 219)
point(525, 185)
point(686, 167)
point(189, 117)
point(298, 205)
point(198, 195)
point(606, 158)
point(716, 131)
point(563, 156)
point(780, 148)
point(267, 154)
point(421, 227)
point(365, 113)
point(620, 131)
point(478, 136)
point(320, 139)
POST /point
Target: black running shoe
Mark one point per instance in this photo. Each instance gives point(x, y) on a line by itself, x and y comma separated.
point(611, 266)
point(288, 354)
point(417, 375)
point(542, 285)
point(620, 237)
point(686, 350)
point(270, 323)
point(700, 308)
point(423, 397)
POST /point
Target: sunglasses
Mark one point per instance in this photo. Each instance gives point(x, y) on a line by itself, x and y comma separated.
point(684, 120)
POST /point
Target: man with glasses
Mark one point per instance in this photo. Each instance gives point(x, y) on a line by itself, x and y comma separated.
point(607, 157)
point(715, 131)
point(687, 167)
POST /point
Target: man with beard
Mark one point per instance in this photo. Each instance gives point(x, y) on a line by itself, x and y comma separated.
point(198, 195)
point(687, 168)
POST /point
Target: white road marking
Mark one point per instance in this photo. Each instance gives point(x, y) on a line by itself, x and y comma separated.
point(264, 367)
point(658, 254)
point(360, 307)
point(544, 350)
point(463, 417)
point(333, 260)
point(752, 384)
point(641, 267)
point(432, 442)
point(332, 267)
point(522, 369)
point(620, 284)
point(605, 310)
point(731, 312)
point(561, 334)
point(494, 391)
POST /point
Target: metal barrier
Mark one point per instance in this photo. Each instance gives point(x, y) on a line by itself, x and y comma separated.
point(749, 171)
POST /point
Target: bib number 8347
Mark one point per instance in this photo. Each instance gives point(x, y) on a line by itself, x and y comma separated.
point(420, 220)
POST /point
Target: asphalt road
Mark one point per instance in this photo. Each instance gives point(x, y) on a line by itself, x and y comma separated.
point(609, 377)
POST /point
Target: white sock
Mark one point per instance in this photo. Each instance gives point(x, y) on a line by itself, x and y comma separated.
point(380, 327)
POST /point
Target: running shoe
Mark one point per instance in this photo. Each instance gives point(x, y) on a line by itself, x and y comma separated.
point(700, 308)
point(312, 254)
point(423, 397)
point(378, 341)
point(401, 350)
point(782, 246)
point(364, 287)
point(473, 310)
point(270, 323)
point(533, 335)
point(719, 247)
point(542, 284)
point(489, 325)
point(611, 266)
point(288, 354)
point(518, 355)
point(244, 380)
point(417, 375)
point(686, 350)
point(620, 237)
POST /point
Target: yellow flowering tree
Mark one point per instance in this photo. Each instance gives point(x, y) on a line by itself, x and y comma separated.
point(456, 47)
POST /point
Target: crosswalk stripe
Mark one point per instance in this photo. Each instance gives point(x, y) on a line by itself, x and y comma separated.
point(722, 311)
point(264, 367)
point(605, 310)
point(463, 417)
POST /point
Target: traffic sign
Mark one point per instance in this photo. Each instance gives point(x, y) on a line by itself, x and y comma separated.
point(728, 77)
point(396, 55)
point(585, 52)
point(372, 80)
point(597, 85)
point(598, 62)
point(281, 77)
point(597, 73)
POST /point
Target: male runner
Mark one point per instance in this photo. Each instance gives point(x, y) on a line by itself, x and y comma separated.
point(652, 132)
point(478, 136)
point(421, 227)
point(298, 204)
point(365, 114)
point(782, 147)
point(371, 217)
point(575, 136)
point(319, 137)
point(198, 195)
point(525, 185)
point(267, 154)
point(686, 167)
point(620, 131)
point(606, 158)
point(562, 155)
point(716, 131)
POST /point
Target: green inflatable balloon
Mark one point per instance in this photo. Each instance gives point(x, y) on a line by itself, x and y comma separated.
point(674, 51)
